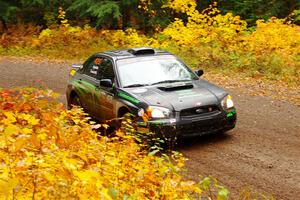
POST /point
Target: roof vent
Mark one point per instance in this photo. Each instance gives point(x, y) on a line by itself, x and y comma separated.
point(141, 51)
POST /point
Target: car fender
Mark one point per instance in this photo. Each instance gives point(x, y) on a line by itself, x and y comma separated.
point(122, 103)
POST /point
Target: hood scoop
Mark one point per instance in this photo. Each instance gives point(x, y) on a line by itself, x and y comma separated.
point(173, 87)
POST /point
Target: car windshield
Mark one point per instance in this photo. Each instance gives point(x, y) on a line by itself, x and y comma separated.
point(141, 71)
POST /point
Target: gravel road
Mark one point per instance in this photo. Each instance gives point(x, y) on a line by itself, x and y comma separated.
point(262, 153)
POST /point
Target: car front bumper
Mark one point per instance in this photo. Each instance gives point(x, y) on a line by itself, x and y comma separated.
point(202, 125)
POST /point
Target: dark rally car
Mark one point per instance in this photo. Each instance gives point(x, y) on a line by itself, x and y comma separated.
point(153, 85)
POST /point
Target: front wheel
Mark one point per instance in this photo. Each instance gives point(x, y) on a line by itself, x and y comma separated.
point(74, 101)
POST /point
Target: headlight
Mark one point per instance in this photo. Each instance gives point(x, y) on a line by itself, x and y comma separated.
point(158, 112)
point(227, 102)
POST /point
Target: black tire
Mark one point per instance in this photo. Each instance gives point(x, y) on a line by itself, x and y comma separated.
point(75, 101)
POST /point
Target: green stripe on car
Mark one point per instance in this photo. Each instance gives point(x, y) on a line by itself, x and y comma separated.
point(128, 98)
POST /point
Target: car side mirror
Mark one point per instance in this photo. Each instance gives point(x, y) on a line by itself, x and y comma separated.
point(106, 83)
point(199, 72)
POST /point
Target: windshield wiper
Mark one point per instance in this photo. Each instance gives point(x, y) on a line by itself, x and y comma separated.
point(135, 85)
point(169, 81)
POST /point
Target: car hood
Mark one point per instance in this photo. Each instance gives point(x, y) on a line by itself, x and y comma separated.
point(181, 95)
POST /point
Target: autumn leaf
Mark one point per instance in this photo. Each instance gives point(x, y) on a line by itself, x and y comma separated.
point(7, 186)
point(19, 144)
point(26, 130)
point(10, 118)
point(11, 129)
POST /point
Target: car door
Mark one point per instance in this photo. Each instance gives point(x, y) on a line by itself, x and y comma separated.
point(86, 85)
point(104, 96)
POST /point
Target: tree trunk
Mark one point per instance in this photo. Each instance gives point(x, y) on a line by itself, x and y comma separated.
point(3, 26)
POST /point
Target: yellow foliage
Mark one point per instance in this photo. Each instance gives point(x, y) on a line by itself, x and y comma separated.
point(45, 33)
point(183, 6)
point(46, 155)
point(274, 36)
point(206, 27)
point(62, 17)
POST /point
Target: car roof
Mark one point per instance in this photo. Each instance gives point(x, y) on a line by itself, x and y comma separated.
point(134, 52)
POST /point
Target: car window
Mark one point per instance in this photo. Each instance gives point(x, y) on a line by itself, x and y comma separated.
point(92, 67)
point(150, 70)
point(106, 70)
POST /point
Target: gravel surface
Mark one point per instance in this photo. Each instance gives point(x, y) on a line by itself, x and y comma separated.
point(262, 153)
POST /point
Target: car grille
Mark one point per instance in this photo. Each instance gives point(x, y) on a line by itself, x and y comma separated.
point(200, 128)
point(199, 111)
